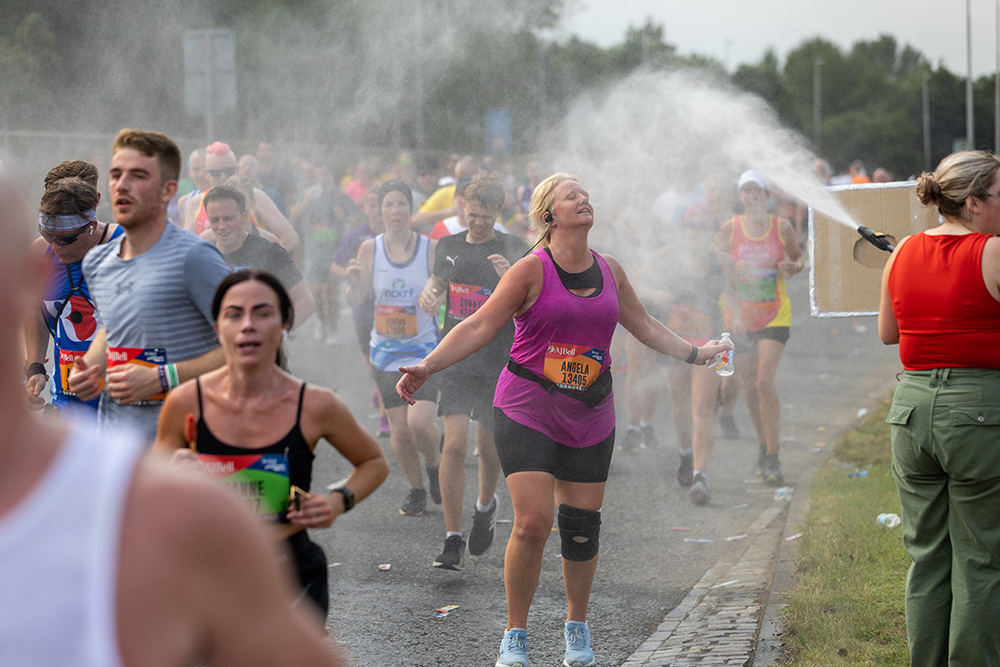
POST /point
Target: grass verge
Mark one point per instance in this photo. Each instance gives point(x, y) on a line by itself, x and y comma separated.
point(847, 607)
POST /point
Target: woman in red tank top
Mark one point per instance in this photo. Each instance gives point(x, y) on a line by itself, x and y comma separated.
point(941, 303)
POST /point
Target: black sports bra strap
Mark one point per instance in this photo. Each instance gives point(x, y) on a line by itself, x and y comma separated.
point(302, 393)
point(197, 388)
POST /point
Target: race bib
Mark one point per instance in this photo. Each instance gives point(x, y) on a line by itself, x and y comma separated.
point(464, 300)
point(66, 360)
point(154, 356)
point(689, 322)
point(396, 321)
point(758, 285)
point(573, 366)
point(259, 480)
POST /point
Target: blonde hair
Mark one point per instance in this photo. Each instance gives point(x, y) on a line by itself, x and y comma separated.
point(958, 176)
point(542, 199)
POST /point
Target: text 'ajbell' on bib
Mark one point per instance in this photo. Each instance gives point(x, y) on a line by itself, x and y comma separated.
point(573, 366)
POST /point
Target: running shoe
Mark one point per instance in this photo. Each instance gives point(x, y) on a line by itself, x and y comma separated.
point(416, 503)
point(699, 493)
point(514, 649)
point(648, 437)
point(453, 556)
point(484, 528)
point(684, 470)
point(761, 456)
point(383, 427)
point(633, 438)
point(728, 424)
point(434, 484)
point(578, 653)
point(772, 471)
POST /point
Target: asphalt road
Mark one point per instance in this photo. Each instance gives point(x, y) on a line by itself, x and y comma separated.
point(831, 370)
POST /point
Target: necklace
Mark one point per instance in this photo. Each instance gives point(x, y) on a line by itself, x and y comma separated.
point(406, 247)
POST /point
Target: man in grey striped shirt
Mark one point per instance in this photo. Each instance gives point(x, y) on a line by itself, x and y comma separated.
point(152, 288)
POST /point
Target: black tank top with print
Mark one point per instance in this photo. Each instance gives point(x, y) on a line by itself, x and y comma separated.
point(293, 445)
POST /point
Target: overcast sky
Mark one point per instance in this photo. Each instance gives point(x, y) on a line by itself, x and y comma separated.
point(736, 32)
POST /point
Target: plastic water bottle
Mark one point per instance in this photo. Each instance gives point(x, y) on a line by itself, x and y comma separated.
point(723, 361)
point(784, 493)
point(889, 520)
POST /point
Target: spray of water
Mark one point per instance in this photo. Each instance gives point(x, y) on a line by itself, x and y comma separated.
point(663, 132)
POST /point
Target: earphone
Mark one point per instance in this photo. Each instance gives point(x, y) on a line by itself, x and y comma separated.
point(547, 217)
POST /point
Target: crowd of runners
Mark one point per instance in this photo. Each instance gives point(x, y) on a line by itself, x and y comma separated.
point(474, 296)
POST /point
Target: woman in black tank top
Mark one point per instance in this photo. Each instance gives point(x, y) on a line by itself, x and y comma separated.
point(256, 426)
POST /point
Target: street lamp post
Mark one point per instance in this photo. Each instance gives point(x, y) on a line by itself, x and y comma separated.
point(817, 103)
point(927, 120)
point(969, 116)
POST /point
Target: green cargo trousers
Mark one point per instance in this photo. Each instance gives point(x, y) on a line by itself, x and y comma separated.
point(946, 464)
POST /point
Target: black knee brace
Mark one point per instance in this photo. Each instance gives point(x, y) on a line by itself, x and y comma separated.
point(579, 530)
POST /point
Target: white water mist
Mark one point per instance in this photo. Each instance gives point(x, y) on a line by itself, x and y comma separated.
point(654, 132)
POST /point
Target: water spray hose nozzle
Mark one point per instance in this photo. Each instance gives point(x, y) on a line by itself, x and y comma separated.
point(877, 239)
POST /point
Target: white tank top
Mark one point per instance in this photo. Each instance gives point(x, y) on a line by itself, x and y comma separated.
point(403, 333)
point(59, 552)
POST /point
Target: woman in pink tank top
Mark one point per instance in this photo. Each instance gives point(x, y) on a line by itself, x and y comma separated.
point(554, 406)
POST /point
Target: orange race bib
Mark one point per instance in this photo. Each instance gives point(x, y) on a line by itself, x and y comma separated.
point(154, 356)
point(66, 360)
point(464, 300)
point(396, 321)
point(573, 366)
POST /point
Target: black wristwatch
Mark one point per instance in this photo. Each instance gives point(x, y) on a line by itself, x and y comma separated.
point(348, 497)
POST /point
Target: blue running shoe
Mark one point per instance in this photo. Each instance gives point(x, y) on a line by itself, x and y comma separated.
point(578, 653)
point(514, 649)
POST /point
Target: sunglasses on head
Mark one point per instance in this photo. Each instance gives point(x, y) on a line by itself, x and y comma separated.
point(221, 173)
point(62, 240)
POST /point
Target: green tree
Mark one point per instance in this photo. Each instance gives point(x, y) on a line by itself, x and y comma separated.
point(765, 80)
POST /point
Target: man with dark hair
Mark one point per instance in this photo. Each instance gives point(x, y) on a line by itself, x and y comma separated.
point(152, 288)
point(229, 221)
point(427, 177)
point(467, 267)
point(69, 228)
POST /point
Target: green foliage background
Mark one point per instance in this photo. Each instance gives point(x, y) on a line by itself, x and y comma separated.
point(353, 72)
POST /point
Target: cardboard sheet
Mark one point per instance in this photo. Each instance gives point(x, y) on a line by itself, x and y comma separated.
point(845, 271)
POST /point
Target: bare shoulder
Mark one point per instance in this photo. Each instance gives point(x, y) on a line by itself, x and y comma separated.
point(171, 526)
point(367, 248)
point(991, 251)
point(318, 401)
point(220, 596)
point(528, 266)
point(261, 196)
point(184, 395)
point(38, 246)
point(617, 270)
point(161, 495)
